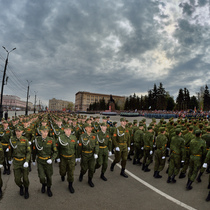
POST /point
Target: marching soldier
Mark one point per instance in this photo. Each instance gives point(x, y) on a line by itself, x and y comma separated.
point(105, 143)
point(46, 152)
point(1, 166)
point(121, 140)
point(67, 150)
point(88, 151)
point(21, 153)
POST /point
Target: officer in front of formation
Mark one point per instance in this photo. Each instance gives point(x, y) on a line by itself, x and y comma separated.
point(121, 141)
point(21, 154)
point(46, 152)
point(67, 152)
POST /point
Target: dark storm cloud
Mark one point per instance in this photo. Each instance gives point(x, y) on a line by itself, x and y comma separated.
point(68, 46)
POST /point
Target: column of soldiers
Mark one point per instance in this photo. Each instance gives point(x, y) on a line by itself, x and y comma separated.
point(67, 139)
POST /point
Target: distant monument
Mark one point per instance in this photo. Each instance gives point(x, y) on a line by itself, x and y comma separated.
point(111, 104)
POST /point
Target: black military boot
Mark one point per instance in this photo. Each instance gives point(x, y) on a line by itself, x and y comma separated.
point(80, 177)
point(208, 169)
point(123, 173)
point(146, 169)
point(199, 177)
point(62, 178)
point(103, 177)
point(169, 180)
point(158, 176)
point(182, 175)
point(129, 157)
point(29, 166)
point(138, 161)
point(167, 170)
point(5, 170)
point(8, 170)
point(71, 189)
point(26, 196)
point(189, 187)
point(43, 188)
point(143, 166)
point(90, 182)
point(0, 193)
point(134, 161)
point(49, 192)
point(154, 173)
point(173, 180)
point(112, 166)
point(208, 186)
point(21, 190)
point(208, 197)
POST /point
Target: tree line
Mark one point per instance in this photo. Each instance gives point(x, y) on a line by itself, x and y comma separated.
point(159, 99)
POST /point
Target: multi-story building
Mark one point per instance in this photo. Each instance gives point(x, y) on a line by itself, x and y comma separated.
point(58, 105)
point(84, 99)
point(11, 102)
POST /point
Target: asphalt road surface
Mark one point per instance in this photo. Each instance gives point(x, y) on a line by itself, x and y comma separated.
point(139, 191)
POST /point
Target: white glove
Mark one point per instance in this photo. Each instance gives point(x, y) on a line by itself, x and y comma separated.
point(95, 156)
point(110, 153)
point(7, 150)
point(129, 149)
point(1, 166)
point(168, 148)
point(142, 148)
point(182, 161)
point(58, 160)
point(25, 165)
point(151, 152)
point(117, 149)
point(78, 160)
point(10, 162)
point(49, 161)
point(131, 144)
point(205, 165)
point(163, 157)
point(34, 163)
point(29, 142)
point(154, 145)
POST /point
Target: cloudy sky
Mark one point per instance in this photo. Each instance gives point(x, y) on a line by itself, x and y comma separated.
point(115, 47)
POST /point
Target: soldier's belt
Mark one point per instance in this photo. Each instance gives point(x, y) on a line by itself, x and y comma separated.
point(88, 152)
point(207, 149)
point(122, 143)
point(67, 156)
point(187, 147)
point(197, 155)
point(147, 146)
point(102, 147)
point(19, 159)
point(43, 158)
point(4, 144)
point(175, 153)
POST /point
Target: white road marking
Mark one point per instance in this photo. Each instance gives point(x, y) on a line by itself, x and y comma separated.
point(156, 190)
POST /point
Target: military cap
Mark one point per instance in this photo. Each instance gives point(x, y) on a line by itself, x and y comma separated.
point(161, 129)
point(141, 124)
point(108, 117)
point(122, 119)
point(151, 124)
point(103, 124)
point(153, 120)
point(104, 118)
point(67, 126)
point(19, 128)
point(208, 128)
point(44, 128)
point(130, 123)
point(149, 127)
point(74, 119)
point(114, 123)
point(87, 125)
point(191, 128)
point(178, 130)
point(175, 123)
point(198, 131)
point(5, 121)
point(143, 120)
point(134, 121)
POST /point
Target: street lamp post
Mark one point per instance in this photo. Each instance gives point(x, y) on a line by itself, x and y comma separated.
point(26, 112)
point(2, 86)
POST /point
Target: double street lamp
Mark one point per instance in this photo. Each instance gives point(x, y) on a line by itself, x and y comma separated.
point(2, 87)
